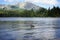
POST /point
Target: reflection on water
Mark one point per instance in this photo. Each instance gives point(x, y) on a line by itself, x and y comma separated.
point(22, 30)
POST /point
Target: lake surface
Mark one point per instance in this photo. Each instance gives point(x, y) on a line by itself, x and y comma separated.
point(20, 28)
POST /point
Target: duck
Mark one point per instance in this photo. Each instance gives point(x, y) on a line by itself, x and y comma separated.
point(32, 26)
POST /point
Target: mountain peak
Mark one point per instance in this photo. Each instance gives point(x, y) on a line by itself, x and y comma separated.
point(28, 5)
point(22, 5)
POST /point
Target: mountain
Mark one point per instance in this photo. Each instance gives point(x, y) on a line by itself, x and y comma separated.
point(28, 5)
point(2, 6)
point(23, 5)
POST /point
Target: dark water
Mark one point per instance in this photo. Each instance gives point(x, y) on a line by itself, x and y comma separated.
point(20, 29)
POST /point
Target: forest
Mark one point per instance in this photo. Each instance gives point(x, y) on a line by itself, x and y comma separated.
point(53, 12)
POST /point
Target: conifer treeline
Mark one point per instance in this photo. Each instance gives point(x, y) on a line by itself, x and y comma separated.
point(54, 12)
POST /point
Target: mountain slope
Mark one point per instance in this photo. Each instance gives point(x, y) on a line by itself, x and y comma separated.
point(28, 6)
point(23, 5)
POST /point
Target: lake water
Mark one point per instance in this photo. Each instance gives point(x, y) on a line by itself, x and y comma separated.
point(20, 28)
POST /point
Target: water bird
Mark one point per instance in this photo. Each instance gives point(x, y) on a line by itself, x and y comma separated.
point(32, 26)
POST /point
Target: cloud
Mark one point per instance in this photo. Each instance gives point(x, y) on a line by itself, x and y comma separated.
point(49, 2)
point(10, 0)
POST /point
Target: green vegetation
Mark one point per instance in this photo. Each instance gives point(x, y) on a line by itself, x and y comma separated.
point(54, 12)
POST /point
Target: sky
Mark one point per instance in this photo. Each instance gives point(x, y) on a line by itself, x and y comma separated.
point(41, 3)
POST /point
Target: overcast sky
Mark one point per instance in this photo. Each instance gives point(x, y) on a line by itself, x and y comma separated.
point(42, 3)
